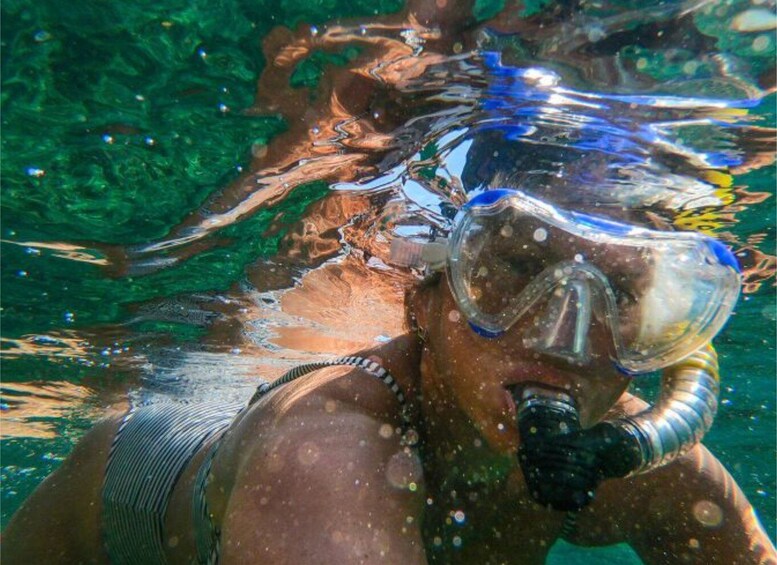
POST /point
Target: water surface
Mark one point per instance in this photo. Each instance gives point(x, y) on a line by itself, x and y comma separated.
point(181, 218)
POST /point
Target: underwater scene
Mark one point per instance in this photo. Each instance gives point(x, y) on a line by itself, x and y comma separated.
point(198, 195)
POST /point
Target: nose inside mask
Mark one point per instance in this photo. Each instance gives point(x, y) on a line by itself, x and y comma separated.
point(562, 326)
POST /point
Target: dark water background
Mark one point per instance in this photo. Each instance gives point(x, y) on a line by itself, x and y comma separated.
point(119, 120)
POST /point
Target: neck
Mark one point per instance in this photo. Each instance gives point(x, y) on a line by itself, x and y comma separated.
point(456, 455)
point(454, 450)
point(402, 358)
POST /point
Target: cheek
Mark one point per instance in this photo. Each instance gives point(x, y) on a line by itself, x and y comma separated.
point(471, 365)
point(598, 395)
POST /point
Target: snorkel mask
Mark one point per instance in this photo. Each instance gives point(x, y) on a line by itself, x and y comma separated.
point(577, 286)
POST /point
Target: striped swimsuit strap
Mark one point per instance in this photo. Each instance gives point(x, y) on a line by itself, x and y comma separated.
point(410, 437)
point(153, 446)
point(207, 535)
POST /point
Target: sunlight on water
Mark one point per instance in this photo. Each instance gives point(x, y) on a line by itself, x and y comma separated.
point(246, 263)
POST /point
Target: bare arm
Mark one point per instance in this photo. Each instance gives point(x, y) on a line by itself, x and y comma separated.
point(690, 511)
point(693, 511)
point(325, 484)
point(60, 521)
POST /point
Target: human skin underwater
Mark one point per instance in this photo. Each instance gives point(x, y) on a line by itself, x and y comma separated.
point(326, 467)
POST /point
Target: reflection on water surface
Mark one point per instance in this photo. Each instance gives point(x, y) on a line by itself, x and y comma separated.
point(358, 131)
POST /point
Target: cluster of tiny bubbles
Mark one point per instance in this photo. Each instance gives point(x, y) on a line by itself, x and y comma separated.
point(410, 437)
point(115, 350)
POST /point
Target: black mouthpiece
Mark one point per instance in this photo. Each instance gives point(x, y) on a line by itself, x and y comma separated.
point(563, 464)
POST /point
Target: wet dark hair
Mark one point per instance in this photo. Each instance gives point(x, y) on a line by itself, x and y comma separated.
point(493, 161)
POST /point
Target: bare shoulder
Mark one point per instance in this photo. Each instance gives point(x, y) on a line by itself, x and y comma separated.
point(339, 400)
point(321, 475)
point(70, 495)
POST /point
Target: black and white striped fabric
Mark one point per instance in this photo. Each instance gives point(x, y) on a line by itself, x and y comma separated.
point(154, 444)
point(370, 367)
point(206, 535)
point(152, 447)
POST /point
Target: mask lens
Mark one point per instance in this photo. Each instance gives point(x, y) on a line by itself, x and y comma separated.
point(501, 259)
point(659, 296)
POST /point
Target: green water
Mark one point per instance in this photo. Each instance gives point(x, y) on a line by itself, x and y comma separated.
point(119, 119)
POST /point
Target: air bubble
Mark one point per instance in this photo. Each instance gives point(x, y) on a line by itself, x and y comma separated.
point(386, 431)
point(708, 514)
point(308, 453)
point(761, 43)
point(690, 67)
point(756, 19)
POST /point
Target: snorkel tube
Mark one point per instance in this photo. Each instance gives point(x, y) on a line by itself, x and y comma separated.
point(563, 463)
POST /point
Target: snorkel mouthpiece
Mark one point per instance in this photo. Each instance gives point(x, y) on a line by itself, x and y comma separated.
point(563, 464)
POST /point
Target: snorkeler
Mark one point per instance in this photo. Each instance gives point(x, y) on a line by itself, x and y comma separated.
point(498, 423)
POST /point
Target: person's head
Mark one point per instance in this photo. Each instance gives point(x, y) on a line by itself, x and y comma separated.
point(533, 295)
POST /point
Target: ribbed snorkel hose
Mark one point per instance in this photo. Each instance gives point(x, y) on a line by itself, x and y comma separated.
point(683, 413)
